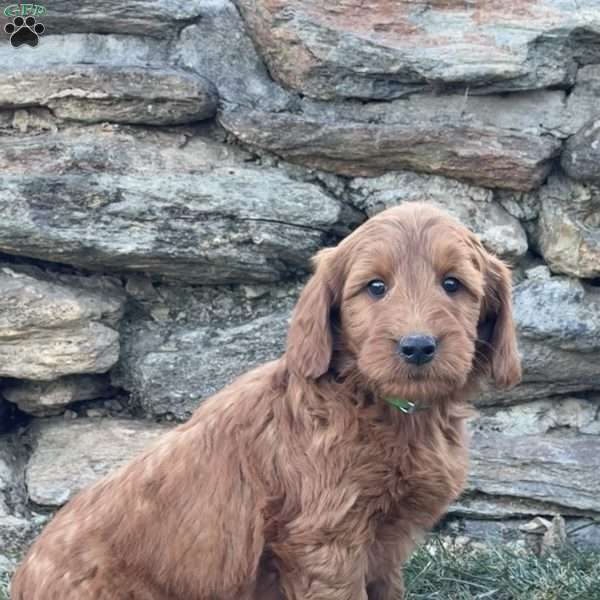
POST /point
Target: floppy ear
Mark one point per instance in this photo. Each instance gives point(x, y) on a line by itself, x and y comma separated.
point(496, 327)
point(310, 336)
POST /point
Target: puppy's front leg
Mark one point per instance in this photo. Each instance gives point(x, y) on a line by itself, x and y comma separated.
point(388, 588)
point(324, 572)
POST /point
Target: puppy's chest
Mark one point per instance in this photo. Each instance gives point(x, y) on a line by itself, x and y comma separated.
point(397, 474)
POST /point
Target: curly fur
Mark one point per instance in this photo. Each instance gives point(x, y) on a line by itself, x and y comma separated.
point(298, 481)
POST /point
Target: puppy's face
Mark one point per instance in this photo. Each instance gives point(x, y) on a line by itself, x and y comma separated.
point(411, 304)
point(419, 307)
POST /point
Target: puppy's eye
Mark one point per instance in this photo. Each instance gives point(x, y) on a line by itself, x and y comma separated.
point(376, 288)
point(451, 284)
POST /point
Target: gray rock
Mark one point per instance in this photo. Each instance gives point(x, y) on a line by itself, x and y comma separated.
point(17, 525)
point(473, 206)
point(183, 343)
point(219, 48)
point(524, 206)
point(17, 532)
point(384, 51)
point(94, 93)
point(476, 505)
point(568, 232)
point(117, 50)
point(538, 273)
point(210, 218)
point(156, 18)
point(45, 398)
point(546, 468)
point(170, 373)
point(53, 327)
point(71, 455)
point(558, 321)
point(581, 156)
point(12, 497)
point(582, 103)
point(579, 415)
point(583, 533)
point(173, 304)
point(118, 149)
point(430, 135)
point(553, 423)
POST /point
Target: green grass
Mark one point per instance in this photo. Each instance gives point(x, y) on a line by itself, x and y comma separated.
point(436, 572)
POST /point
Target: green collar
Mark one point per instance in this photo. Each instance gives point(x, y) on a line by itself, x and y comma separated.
point(405, 406)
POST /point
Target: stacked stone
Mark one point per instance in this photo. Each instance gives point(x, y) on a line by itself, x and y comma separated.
point(167, 169)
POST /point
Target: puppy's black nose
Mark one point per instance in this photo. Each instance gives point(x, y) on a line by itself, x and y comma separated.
point(417, 349)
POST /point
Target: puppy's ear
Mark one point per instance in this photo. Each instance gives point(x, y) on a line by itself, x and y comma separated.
point(496, 327)
point(310, 336)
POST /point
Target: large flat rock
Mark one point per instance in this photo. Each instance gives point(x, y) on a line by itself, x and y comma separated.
point(474, 206)
point(171, 205)
point(54, 327)
point(546, 468)
point(159, 18)
point(71, 455)
point(88, 48)
point(121, 94)
point(386, 49)
point(481, 141)
point(546, 420)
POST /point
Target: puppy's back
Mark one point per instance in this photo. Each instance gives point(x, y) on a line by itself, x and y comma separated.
point(165, 525)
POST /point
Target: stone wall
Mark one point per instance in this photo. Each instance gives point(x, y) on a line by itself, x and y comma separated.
point(167, 169)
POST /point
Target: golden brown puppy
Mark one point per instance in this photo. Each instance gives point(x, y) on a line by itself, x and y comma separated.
point(302, 480)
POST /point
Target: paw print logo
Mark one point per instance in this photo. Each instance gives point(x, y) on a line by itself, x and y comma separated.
point(24, 31)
